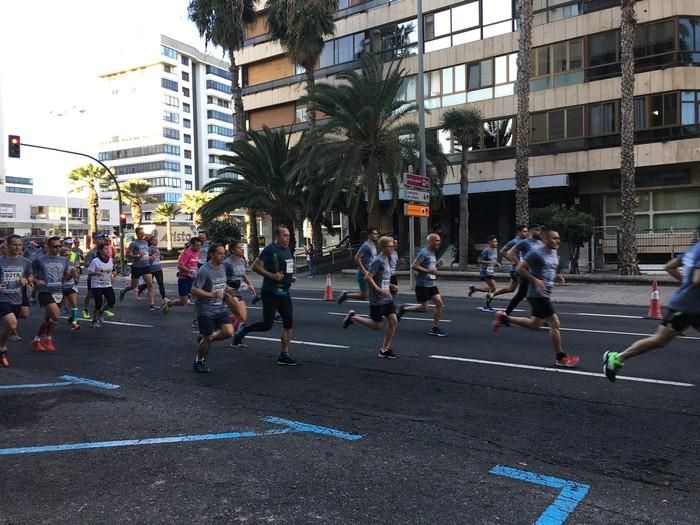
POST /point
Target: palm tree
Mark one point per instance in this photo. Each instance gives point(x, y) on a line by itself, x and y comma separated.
point(522, 121)
point(628, 239)
point(89, 178)
point(464, 126)
point(135, 195)
point(166, 212)
point(223, 23)
point(266, 166)
point(192, 203)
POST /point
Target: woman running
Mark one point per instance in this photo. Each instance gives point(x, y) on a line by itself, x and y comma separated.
point(102, 274)
point(235, 265)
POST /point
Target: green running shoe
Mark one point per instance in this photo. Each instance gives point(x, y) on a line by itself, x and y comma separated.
point(86, 314)
point(611, 365)
point(108, 313)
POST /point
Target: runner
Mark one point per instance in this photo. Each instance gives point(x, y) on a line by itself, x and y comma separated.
point(235, 273)
point(50, 271)
point(78, 252)
point(276, 265)
point(140, 267)
point(487, 261)
point(187, 265)
point(515, 254)
point(156, 271)
point(363, 258)
point(539, 268)
point(99, 239)
point(683, 310)
point(393, 264)
point(70, 286)
point(426, 267)
point(204, 250)
point(209, 289)
point(520, 233)
point(381, 303)
point(15, 274)
point(102, 274)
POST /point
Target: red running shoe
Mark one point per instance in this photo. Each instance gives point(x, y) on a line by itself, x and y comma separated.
point(4, 361)
point(568, 361)
point(38, 346)
point(48, 345)
point(501, 320)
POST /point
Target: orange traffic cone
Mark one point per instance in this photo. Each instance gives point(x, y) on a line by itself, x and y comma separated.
point(329, 288)
point(654, 303)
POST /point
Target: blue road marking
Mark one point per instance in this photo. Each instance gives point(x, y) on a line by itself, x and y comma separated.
point(572, 493)
point(291, 427)
point(67, 381)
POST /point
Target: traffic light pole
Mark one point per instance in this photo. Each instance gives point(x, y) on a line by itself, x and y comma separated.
point(116, 185)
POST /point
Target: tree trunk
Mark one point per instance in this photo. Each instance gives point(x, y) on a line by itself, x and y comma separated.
point(253, 241)
point(237, 96)
point(299, 228)
point(136, 215)
point(169, 233)
point(628, 240)
point(317, 236)
point(464, 211)
point(93, 202)
point(311, 107)
point(522, 121)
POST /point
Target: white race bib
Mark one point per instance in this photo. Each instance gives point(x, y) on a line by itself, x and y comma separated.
point(386, 284)
point(57, 297)
point(290, 265)
point(432, 276)
point(220, 287)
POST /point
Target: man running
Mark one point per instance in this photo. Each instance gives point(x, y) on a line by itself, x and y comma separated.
point(515, 254)
point(276, 265)
point(426, 267)
point(683, 310)
point(487, 262)
point(204, 249)
point(140, 267)
point(70, 287)
point(50, 271)
point(540, 269)
point(236, 275)
point(102, 274)
point(15, 274)
point(214, 321)
point(99, 240)
point(520, 233)
point(187, 265)
point(381, 303)
point(363, 258)
point(156, 271)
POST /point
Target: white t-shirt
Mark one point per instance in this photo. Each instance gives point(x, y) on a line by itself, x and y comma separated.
point(104, 280)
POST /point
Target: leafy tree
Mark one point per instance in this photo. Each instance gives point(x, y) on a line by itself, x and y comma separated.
point(88, 178)
point(192, 203)
point(165, 212)
point(222, 231)
point(135, 195)
point(464, 126)
point(574, 226)
point(522, 121)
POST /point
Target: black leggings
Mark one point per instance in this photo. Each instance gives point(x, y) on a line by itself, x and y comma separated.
point(274, 303)
point(158, 276)
point(107, 293)
point(518, 297)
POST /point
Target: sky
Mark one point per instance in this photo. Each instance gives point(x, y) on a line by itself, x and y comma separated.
point(52, 53)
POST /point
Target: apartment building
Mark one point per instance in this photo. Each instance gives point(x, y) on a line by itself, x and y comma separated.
point(470, 61)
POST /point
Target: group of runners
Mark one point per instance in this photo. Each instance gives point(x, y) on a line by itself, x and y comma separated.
point(214, 277)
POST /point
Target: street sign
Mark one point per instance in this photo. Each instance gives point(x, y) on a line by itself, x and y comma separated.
point(416, 210)
point(417, 195)
point(416, 181)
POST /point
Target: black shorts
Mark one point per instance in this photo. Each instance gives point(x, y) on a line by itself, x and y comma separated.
point(542, 307)
point(45, 298)
point(281, 304)
point(7, 309)
point(488, 277)
point(378, 312)
point(68, 291)
point(425, 293)
point(515, 276)
point(207, 324)
point(140, 272)
point(25, 297)
point(677, 321)
point(89, 284)
point(394, 280)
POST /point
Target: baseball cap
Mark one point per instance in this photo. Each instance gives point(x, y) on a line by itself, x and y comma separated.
point(68, 240)
point(99, 236)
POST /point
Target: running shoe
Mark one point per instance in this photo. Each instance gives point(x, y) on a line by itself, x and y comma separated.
point(65, 310)
point(75, 325)
point(108, 313)
point(201, 368)
point(167, 306)
point(4, 361)
point(437, 331)
point(389, 354)
point(239, 335)
point(472, 291)
point(278, 318)
point(487, 309)
point(611, 365)
point(15, 337)
point(348, 318)
point(38, 346)
point(255, 299)
point(501, 320)
point(86, 314)
point(96, 324)
point(153, 308)
point(122, 293)
point(567, 361)
point(286, 360)
point(342, 297)
point(402, 310)
point(489, 298)
point(48, 345)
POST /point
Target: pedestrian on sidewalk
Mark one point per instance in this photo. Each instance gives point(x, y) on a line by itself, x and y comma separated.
point(515, 254)
point(488, 261)
point(426, 266)
point(381, 302)
point(683, 310)
point(540, 268)
point(520, 233)
point(363, 258)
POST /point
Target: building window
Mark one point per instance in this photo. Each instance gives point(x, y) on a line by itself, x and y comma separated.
point(219, 86)
point(187, 139)
point(557, 125)
point(144, 167)
point(16, 189)
point(219, 130)
point(164, 182)
point(394, 40)
point(557, 65)
point(188, 153)
point(171, 101)
point(168, 68)
point(168, 84)
point(187, 123)
point(219, 115)
point(185, 92)
point(168, 52)
point(188, 183)
point(104, 215)
point(171, 133)
point(186, 107)
point(169, 149)
point(547, 11)
point(212, 173)
point(223, 73)
point(184, 60)
point(342, 50)
point(300, 113)
point(603, 54)
point(690, 107)
point(7, 211)
point(19, 180)
point(185, 76)
point(188, 170)
point(169, 116)
point(218, 102)
point(602, 119)
point(217, 144)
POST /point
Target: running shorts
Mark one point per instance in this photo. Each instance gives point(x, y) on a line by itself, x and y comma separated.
point(542, 307)
point(378, 312)
point(425, 293)
point(677, 321)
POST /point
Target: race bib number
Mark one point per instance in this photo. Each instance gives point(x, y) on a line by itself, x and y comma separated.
point(220, 287)
point(432, 277)
point(386, 284)
point(57, 297)
point(290, 266)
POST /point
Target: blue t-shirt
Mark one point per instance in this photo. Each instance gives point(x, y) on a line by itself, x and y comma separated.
point(393, 262)
point(275, 260)
point(487, 254)
point(210, 279)
point(525, 245)
point(427, 259)
point(687, 298)
point(543, 264)
point(511, 243)
point(12, 270)
point(381, 272)
point(367, 251)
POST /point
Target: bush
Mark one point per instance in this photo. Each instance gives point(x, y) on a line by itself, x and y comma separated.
point(222, 231)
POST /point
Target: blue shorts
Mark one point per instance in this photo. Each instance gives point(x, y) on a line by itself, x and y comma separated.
point(362, 282)
point(184, 287)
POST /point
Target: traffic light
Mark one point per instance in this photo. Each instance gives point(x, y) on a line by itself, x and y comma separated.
point(122, 221)
point(13, 145)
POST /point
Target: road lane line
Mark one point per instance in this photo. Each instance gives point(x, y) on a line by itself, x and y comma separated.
point(559, 370)
point(607, 315)
point(67, 381)
point(430, 319)
point(617, 333)
point(307, 343)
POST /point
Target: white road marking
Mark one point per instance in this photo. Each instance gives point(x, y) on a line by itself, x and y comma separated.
point(307, 343)
point(560, 370)
point(403, 318)
point(129, 324)
point(609, 315)
point(617, 333)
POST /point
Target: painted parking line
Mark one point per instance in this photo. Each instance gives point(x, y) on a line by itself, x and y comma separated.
point(570, 495)
point(66, 381)
point(559, 370)
point(307, 343)
point(289, 427)
point(406, 318)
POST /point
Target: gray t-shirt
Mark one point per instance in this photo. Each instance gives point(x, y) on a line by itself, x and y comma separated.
point(203, 252)
point(210, 279)
point(89, 256)
point(154, 252)
point(139, 248)
point(543, 264)
point(487, 254)
point(51, 270)
point(687, 298)
point(393, 262)
point(367, 251)
point(12, 269)
point(427, 259)
point(381, 272)
point(235, 270)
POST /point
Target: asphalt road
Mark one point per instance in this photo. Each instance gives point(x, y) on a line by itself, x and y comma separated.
point(418, 440)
